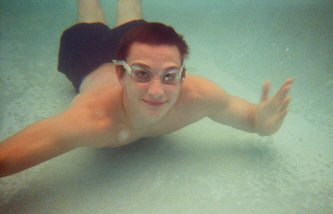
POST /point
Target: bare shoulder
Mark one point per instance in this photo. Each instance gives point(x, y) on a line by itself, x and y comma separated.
point(100, 97)
point(102, 101)
point(202, 91)
point(92, 117)
point(104, 75)
point(198, 99)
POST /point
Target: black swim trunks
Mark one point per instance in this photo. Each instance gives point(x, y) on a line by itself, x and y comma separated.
point(84, 47)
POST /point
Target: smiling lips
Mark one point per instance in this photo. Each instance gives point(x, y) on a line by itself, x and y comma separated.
point(154, 103)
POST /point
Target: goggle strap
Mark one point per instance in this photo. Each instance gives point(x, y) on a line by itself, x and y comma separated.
point(122, 63)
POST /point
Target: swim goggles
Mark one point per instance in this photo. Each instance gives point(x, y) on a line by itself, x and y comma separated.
point(141, 74)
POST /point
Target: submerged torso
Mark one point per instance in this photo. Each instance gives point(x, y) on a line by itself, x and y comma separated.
point(107, 124)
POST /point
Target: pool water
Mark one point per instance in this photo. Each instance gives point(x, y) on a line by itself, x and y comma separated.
point(205, 167)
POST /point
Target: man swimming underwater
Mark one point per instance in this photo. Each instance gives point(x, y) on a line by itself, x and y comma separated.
point(132, 84)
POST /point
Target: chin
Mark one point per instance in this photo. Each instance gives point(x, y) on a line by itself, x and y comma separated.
point(154, 113)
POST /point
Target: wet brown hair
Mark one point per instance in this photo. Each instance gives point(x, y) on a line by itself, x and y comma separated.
point(153, 33)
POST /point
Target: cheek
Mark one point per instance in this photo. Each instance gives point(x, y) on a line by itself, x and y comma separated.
point(172, 91)
point(135, 90)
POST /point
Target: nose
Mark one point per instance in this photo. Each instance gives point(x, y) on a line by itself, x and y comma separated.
point(155, 89)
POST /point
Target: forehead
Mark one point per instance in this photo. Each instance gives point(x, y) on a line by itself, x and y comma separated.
point(153, 54)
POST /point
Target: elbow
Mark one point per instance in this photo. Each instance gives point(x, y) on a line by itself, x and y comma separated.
point(3, 168)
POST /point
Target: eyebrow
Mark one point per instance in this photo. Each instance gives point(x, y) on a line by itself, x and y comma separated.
point(149, 68)
point(141, 65)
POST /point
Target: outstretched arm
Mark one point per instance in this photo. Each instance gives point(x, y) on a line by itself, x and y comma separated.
point(264, 118)
point(35, 144)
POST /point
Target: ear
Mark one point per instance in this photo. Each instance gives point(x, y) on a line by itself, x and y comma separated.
point(120, 72)
point(183, 75)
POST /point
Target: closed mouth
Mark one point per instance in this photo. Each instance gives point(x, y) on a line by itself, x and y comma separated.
point(154, 103)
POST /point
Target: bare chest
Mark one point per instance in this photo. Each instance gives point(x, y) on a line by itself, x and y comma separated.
point(120, 134)
point(172, 123)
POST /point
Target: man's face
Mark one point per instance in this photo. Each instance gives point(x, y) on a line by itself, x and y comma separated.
point(153, 98)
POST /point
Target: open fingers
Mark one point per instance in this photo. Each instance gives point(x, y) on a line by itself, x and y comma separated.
point(285, 104)
point(284, 90)
point(265, 90)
